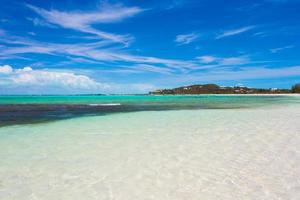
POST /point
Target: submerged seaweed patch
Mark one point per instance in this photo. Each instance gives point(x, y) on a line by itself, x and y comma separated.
point(20, 113)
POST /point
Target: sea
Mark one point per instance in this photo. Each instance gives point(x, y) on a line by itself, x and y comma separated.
point(142, 147)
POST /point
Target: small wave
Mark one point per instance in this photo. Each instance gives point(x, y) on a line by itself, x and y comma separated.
point(104, 104)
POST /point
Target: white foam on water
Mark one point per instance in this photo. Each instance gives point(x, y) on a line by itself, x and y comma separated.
point(177, 155)
point(104, 104)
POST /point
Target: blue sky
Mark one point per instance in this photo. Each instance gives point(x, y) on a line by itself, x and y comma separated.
point(132, 46)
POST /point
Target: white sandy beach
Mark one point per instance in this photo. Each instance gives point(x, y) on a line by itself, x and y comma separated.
point(178, 155)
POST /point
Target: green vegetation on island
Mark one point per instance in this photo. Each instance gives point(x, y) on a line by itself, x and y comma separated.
point(216, 89)
point(296, 88)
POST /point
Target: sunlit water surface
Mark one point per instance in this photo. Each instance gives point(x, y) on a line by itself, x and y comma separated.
point(243, 152)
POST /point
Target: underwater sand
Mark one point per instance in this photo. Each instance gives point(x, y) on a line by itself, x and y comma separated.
point(250, 153)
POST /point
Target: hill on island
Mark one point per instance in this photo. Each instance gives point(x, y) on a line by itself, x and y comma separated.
point(216, 89)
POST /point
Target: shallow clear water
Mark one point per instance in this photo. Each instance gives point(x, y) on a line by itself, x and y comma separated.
point(144, 99)
point(248, 152)
point(37, 109)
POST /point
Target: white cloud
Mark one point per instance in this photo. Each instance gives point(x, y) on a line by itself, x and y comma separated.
point(255, 73)
point(25, 69)
point(60, 79)
point(94, 51)
point(186, 38)
point(207, 59)
point(97, 52)
point(218, 61)
point(234, 32)
point(66, 80)
point(30, 81)
point(234, 61)
point(275, 50)
point(140, 68)
point(155, 69)
point(82, 21)
point(6, 69)
point(229, 74)
point(32, 33)
point(261, 34)
point(40, 22)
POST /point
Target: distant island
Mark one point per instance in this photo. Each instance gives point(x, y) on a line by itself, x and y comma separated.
point(216, 89)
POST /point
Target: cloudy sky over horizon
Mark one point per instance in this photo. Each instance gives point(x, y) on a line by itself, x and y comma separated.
point(131, 46)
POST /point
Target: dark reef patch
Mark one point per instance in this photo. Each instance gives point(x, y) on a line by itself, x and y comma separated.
point(22, 113)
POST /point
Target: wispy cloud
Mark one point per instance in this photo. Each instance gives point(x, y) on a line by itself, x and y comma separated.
point(234, 60)
point(40, 22)
point(219, 61)
point(99, 53)
point(82, 21)
point(186, 38)
point(207, 59)
point(140, 68)
point(3, 20)
point(261, 34)
point(32, 33)
point(281, 1)
point(233, 32)
point(2, 32)
point(256, 73)
point(275, 50)
point(176, 4)
point(13, 57)
point(229, 74)
point(94, 51)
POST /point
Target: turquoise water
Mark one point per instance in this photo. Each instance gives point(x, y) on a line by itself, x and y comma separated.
point(37, 109)
point(149, 147)
point(240, 153)
point(140, 99)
